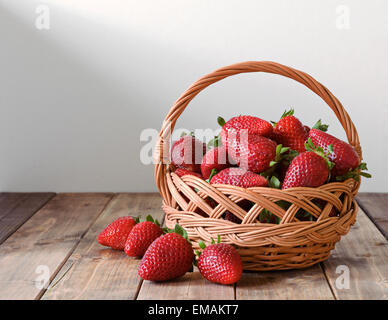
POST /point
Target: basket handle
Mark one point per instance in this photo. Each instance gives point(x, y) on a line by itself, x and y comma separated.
point(219, 74)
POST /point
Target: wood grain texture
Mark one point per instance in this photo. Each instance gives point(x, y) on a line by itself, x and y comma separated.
point(303, 284)
point(192, 286)
point(47, 239)
point(17, 208)
point(97, 272)
point(364, 250)
point(375, 206)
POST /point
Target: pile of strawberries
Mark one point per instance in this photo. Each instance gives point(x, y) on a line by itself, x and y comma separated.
point(252, 152)
point(168, 254)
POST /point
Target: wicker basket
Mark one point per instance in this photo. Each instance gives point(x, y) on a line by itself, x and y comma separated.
point(290, 244)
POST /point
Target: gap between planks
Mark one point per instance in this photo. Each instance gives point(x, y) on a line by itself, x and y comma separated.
point(96, 272)
point(45, 241)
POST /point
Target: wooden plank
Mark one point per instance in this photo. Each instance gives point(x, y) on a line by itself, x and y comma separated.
point(375, 205)
point(192, 286)
point(96, 272)
point(17, 208)
point(364, 251)
point(44, 243)
point(304, 284)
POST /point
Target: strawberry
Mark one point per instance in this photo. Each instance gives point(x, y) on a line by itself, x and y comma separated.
point(168, 257)
point(306, 129)
point(183, 172)
point(232, 129)
point(220, 263)
point(290, 132)
point(187, 153)
point(115, 235)
point(141, 236)
point(239, 177)
point(255, 154)
point(309, 169)
point(344, 156)
point(215, 158)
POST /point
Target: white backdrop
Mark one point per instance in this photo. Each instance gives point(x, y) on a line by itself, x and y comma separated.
point(75, 98)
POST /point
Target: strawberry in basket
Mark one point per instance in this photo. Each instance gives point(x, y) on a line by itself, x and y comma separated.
point(239, 177)
point(290, 132)
point(344, 156)
point(216, 158)
point(308, 169)
point(231, 130)
point(187, 153)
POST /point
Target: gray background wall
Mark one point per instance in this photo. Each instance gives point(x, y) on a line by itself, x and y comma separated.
point(75, 98)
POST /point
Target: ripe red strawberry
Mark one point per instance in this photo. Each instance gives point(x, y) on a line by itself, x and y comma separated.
point(220, 263)
point(239, 177)
point(232, 129)
point(187, 153)
point(343, 155)
point(290, 132)
point(168, 257)
point(216, 158)
point(115, 235)
point(255, 154)
point(183, 172)
point(141, 236)
point(309, 169)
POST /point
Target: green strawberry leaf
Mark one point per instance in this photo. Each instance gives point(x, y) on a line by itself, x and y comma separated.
point(287, 113)
point(272, 163)
point(274, 182)
point(366, 175)
point(318, 125)
point(150, 218)
point(221, 121)
point(285, 149)
point(218, 239)
point(278, 148)
point(201, 244)
point(181, 231)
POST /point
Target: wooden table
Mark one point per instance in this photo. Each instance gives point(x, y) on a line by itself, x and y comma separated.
point(47, 236)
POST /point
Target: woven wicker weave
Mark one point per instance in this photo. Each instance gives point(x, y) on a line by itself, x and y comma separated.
point(263, 246)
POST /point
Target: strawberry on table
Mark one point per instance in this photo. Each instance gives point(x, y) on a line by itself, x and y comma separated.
point(343, 155)
point(115, 235)
point(187, 153)
point(168, 257)
point(220, 263)
point(141, 236)
point(239, 177)
point(309, 169)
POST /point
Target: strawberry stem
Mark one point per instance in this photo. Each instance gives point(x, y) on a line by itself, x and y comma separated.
point(212, 174)
point(355, 173)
